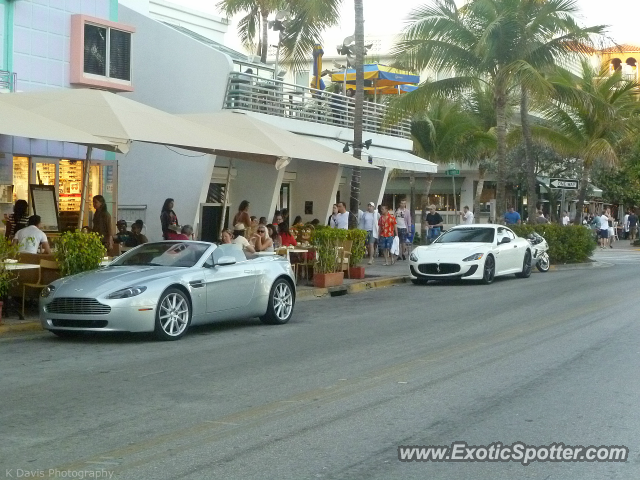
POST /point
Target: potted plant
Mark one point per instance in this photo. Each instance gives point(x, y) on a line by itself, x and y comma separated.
point(79, 252)
point(325, 241)
point(7, 277)
point(358, 251)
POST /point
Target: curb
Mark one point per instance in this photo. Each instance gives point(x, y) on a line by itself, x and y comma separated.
point(25, 326)
point(356, 287)
point(579, 266)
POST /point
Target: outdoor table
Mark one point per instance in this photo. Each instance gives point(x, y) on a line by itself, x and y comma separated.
point(265, 254)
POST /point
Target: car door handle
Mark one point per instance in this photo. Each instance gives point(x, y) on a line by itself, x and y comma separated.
point(515, 246)
point(248, 271)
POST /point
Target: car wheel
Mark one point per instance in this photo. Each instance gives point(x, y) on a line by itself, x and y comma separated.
point(66, 333)
point(489, 272)
point(526, 266)
point(543, 263)
point(173, 315)
point(419, 281)
point(281, 302)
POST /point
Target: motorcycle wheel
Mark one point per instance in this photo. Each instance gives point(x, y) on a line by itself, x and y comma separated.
point(543, 263)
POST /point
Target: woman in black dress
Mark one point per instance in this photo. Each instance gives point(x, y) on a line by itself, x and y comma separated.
point(168, 219)
point(18, 219)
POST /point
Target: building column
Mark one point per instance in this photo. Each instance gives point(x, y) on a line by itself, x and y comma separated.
point(372, 185)
point(316, 187)
point(466, 192)
point(259, 183)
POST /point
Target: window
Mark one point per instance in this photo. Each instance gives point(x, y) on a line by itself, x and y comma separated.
point(100, 53)
point(107, 50)
point(228, 250)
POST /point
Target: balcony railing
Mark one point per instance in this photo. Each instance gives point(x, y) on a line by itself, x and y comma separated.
point(273, 97)
point(8, 81)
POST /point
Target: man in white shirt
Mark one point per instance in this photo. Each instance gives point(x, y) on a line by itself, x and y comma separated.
point(240, 240)
point(625, 225)
point(565, 219)
point(369, 222)
point(403, 217)
point(342, 217)
point(467, 216)
point(604, 230)
point(31, 237)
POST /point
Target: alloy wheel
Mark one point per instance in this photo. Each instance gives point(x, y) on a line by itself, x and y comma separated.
point(282, 301)
point(174, 314)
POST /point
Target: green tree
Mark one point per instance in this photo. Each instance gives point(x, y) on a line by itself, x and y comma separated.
point(492, 42)
point(591, 118)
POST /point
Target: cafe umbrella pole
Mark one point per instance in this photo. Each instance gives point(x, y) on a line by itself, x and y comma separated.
point(85, 186)
point(226, 198)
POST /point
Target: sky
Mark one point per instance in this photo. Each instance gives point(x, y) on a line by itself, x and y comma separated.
point(387, 17)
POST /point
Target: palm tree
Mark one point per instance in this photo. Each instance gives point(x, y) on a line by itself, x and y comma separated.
point(482, 43)
point(308, 20)
point(358, 113)
point(591, 118)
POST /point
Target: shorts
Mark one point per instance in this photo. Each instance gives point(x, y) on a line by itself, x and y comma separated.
point(370, 238)
point(385, 243)
point(402, 235)
point(434, 232)
point(603, 233)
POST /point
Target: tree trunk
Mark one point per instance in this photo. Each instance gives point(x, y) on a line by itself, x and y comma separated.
point(501, 153)
point(532, 195)
point(357, 123)
point(412, 197)
point(584, 184)
point(265, 36)
point(482, 171)
point(425, 205)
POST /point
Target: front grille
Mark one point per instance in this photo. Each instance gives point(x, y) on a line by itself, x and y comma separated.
point(79, 323)
point(439, 268)
point(77, 306)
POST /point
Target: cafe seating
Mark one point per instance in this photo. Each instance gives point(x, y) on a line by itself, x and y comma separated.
point(45, 265)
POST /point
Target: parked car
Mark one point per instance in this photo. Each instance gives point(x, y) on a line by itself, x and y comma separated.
point(166, 287)
point(472, 252)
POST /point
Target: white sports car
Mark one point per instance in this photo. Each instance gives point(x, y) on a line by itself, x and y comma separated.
point(472, 252)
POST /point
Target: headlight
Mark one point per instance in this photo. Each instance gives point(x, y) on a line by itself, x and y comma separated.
point(47, 291)
point(475, 256)
point(413, 257)
point(127, 292)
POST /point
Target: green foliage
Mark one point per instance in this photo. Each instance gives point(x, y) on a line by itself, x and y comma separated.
point(567, 244)
point(623, 185)
point(358, 249)
point(325, 240)
point(79, 252)
point(7, 277)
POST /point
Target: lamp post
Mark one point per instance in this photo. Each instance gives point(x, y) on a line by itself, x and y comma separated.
point(279, 25)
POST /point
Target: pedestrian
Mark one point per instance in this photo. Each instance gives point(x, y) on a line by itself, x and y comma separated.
point(240, 240)
point(512, 217)
point(466, 216)
point(565, 218)
point(625, 225)
point(262, 221)
point(333, 217)
point(342, 217)
point(262, 241)
point(612, 228)
point(403, 218)
point(434, 223)
point(387, 227)
point(603, 232)
point(18, 220)
point(540, 218)
point(633, 225)
point(31, 237)
point(168, 219)
point(369, 222)
point(277, 218)
point(102, 221)
point(123, 235)
point(137, 238)
point(286, 239)
point(243, 214)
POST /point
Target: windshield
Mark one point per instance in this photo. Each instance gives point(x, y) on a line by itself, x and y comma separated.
point(165, 254)
point(468, 235)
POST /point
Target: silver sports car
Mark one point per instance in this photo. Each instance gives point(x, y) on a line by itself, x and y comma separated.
point(165, 287)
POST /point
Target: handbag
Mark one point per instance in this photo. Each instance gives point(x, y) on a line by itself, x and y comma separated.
point(395, 246)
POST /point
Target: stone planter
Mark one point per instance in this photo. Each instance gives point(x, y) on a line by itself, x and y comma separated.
point(325, 280)
point(356, 272)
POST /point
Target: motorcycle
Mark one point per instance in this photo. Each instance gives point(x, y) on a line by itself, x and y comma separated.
point(539, 249)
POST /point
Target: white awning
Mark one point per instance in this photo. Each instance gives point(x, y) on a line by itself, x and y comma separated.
point(385, 157)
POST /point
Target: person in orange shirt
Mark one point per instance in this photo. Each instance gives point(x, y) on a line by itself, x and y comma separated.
point(388, 229)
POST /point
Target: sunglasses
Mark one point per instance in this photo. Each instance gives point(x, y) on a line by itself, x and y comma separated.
point(261, 231)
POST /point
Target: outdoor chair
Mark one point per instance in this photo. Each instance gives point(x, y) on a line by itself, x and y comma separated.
point(44, 265)
point(344, 255)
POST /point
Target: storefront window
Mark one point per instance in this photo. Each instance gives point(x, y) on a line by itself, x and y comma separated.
point(46, 173)
point(20, 178)
point(70, 185)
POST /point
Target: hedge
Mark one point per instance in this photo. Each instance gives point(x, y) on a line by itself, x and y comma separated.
point(567, 244)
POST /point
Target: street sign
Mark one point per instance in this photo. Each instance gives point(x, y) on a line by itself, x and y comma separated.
point(452, 172)
point(564, 183)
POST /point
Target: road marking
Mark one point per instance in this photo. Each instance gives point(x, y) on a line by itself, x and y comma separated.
point(208, 431)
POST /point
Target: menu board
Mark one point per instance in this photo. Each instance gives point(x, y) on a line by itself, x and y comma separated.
point(43, 198)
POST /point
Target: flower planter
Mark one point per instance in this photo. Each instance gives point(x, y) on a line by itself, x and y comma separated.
point(325, 280)
point(356, 272)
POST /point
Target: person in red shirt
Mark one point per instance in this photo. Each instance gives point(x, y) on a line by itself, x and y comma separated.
point(286, 239)
point(388, 229)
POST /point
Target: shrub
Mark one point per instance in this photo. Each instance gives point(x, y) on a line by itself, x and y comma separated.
point(359, 248)
point(79, 252)
point(567, 244)
point(325, 241)
point(7, 277)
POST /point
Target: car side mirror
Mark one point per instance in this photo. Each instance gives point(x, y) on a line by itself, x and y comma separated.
point(504, 240)
point(226, 260)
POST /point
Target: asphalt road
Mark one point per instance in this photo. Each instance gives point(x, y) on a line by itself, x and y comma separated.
point(331, 395)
